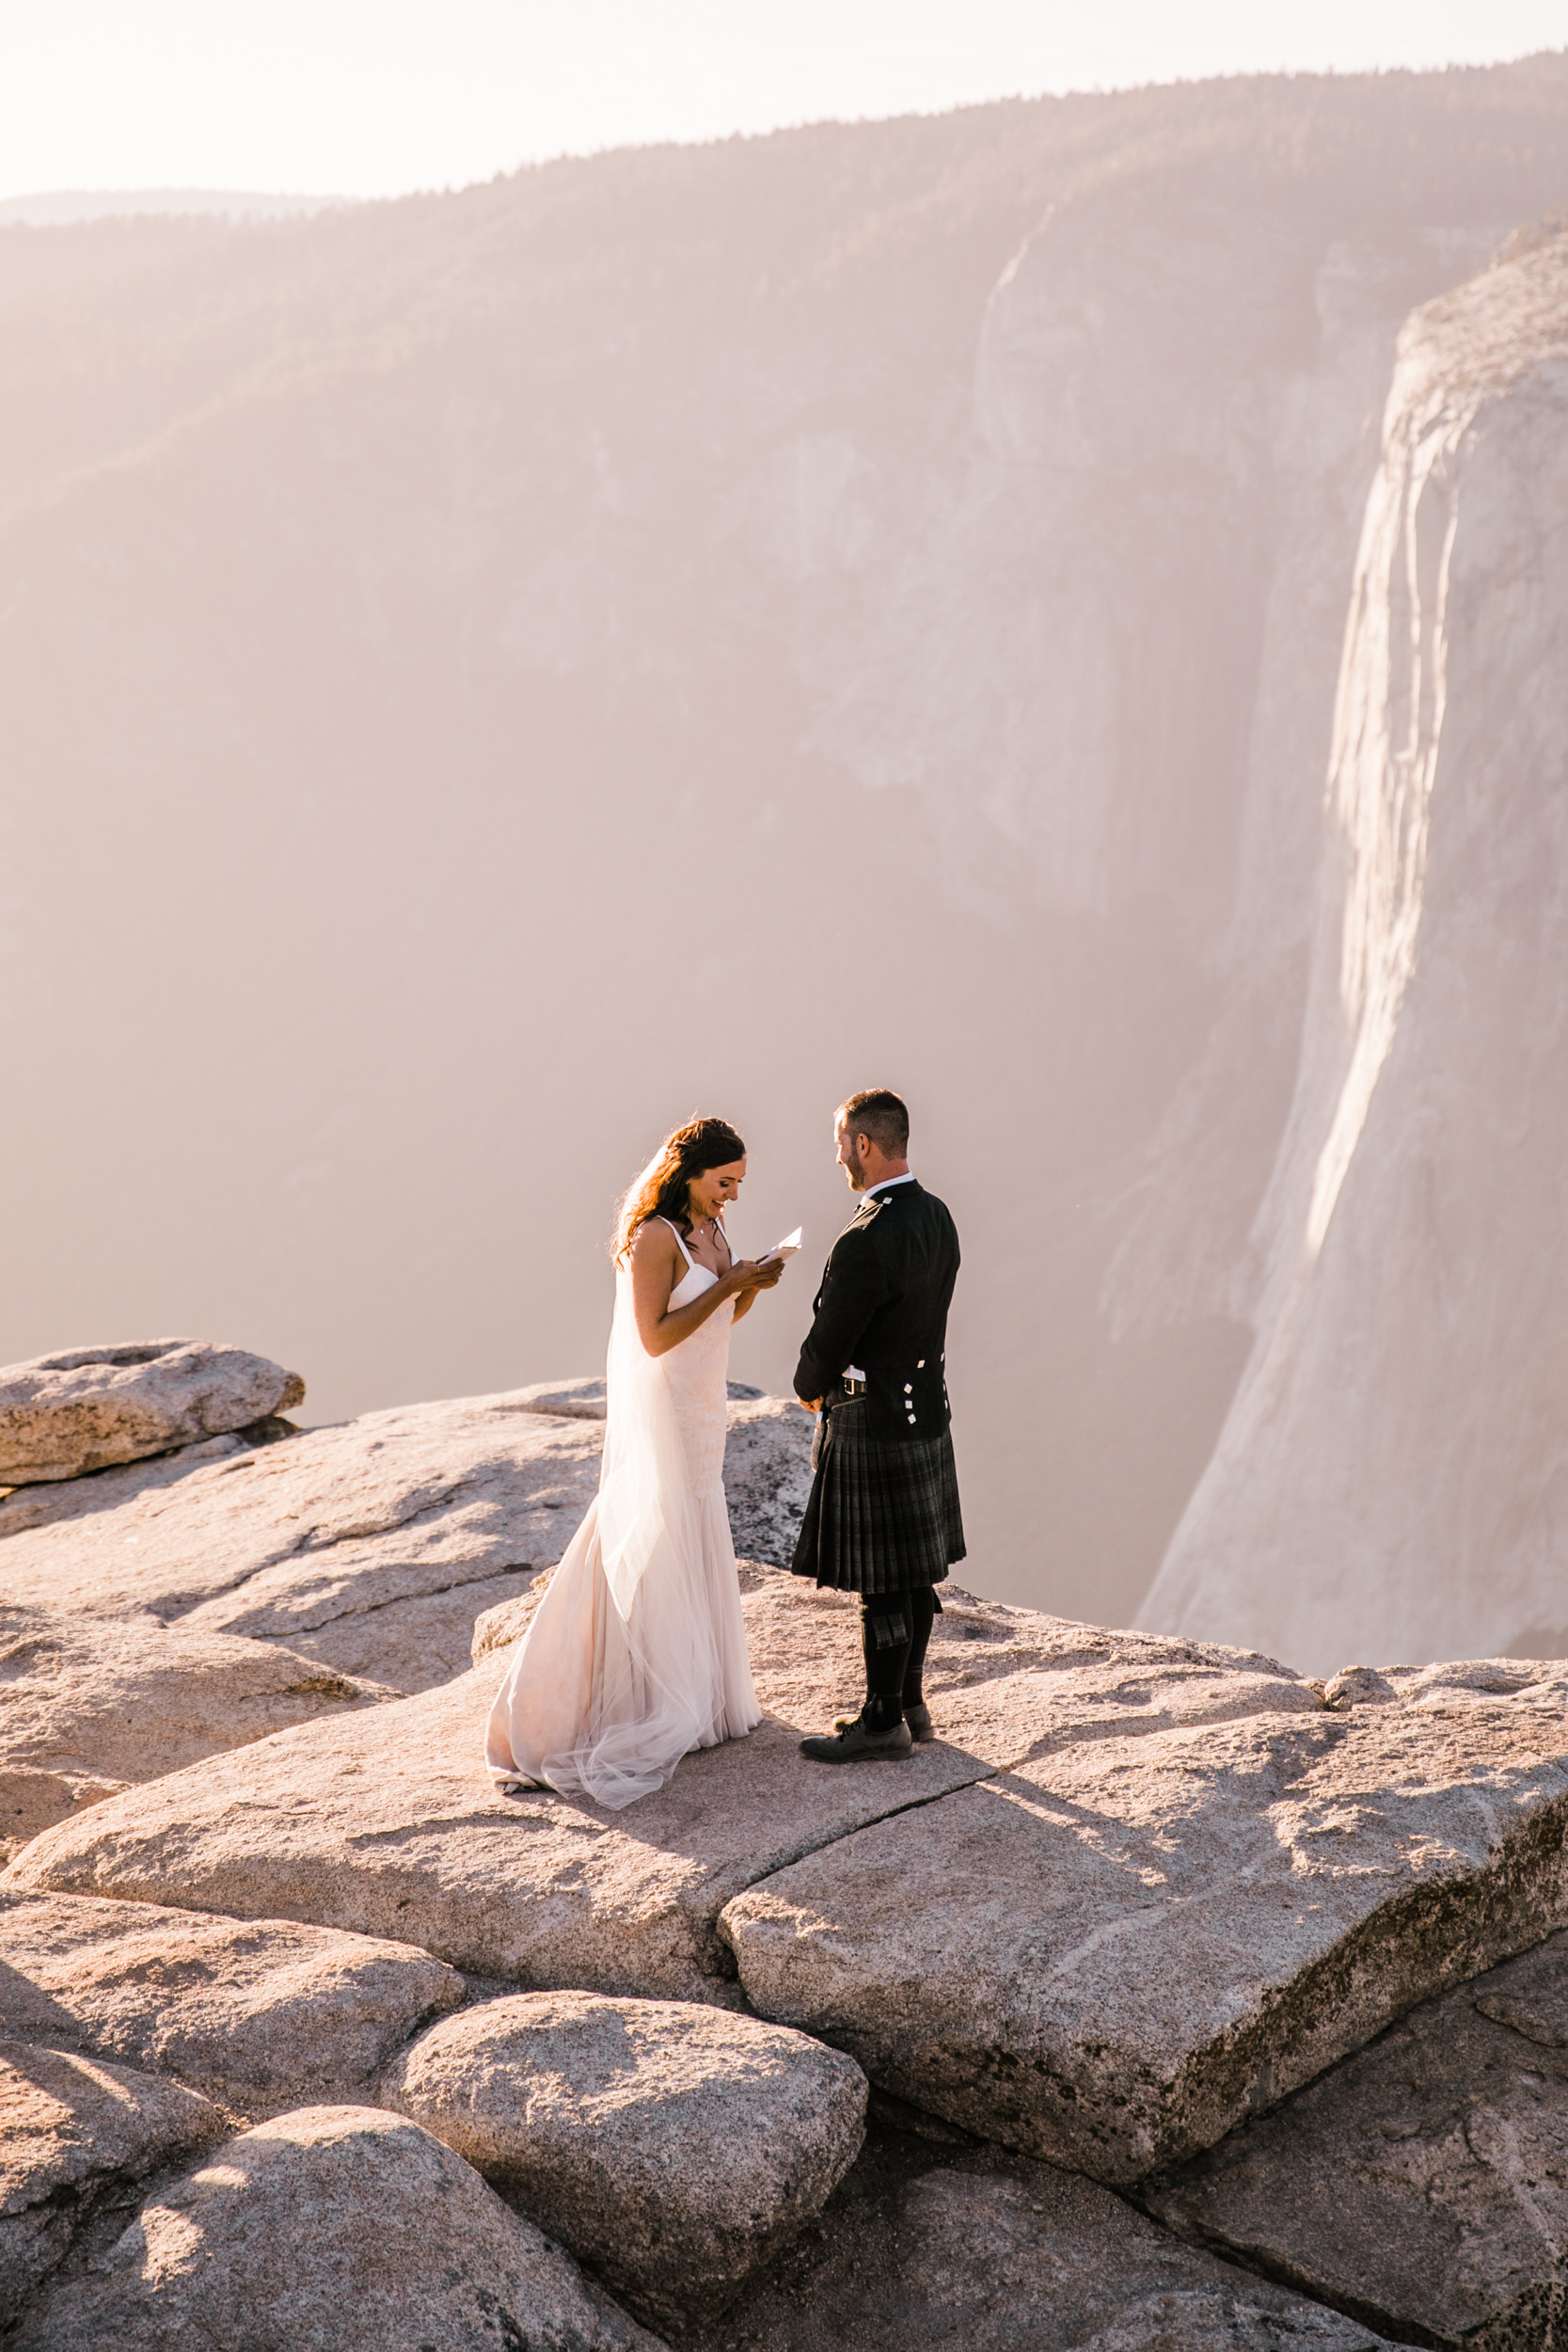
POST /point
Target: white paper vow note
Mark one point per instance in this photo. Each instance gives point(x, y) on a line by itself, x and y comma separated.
point(785, 1248)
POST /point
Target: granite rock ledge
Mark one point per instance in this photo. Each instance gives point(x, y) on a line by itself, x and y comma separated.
point(1137, 1890)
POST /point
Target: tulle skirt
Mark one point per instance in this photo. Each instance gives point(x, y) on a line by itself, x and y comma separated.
point(603, 1704)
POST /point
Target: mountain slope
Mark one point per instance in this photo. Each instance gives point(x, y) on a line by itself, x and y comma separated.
point(482, 675)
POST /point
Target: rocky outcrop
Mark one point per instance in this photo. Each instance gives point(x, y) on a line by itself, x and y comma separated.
point(766, 1460)
point(386, 1827)
point(63, 1415)
point(1137, 1890)
point(964, 2248)
point(71, 2127)
point(88, 1705)
point(671, 2147)
point(401, 1834)
point(258, 2013)
point(1390, 1478)
point(585, 1399)
point(332, 2224)
point(768, 1476)
point(1423, 2183)
point(369, 1547)
point(1123, 1944)
point(1142, 1885)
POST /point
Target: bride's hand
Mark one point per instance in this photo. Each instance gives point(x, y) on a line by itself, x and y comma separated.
point(754, 1274)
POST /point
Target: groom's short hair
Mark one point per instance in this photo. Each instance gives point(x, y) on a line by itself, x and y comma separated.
point(881, 1116)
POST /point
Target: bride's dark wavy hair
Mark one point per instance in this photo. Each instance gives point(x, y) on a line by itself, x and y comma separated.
point(660, 1190)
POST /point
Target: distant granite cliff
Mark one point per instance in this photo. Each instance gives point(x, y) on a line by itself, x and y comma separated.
point(1393, 1477)
point(482, 677)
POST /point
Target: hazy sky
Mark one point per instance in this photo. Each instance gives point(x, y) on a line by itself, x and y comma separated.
point(371, 97)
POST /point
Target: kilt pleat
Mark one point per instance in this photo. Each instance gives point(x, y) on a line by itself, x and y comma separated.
point(882, 1516)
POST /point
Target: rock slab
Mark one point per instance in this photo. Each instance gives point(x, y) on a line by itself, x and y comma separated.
point(386, 1823)
point(370, 1546)
point(92, 1705)
point(586, 1398)
point(931, 2249)
point(768, 1476)
point(671, 2146)
point(260, 2014)
point(1423, 2183)
point(63, 1415)
point(1110, 1953)
point(69, 2125)
point(331, 2229)
point(767, 1459)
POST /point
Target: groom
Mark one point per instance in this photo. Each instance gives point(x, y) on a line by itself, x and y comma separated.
point(883, 1518)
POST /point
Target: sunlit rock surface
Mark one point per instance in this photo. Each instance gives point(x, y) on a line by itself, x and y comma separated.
point(672, 2146)
point(258, 2013)
point(63, 1415)
point(372, 1546)
point(1110, 1953)
point(71, 2127)
point(1391, 1480)
point(402, 1835)
point(1139, 1888)
point(88, 1705)
point(332, 2224)
point(1135, 1888)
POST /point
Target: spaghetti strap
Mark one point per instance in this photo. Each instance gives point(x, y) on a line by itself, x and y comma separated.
point(679, 1243)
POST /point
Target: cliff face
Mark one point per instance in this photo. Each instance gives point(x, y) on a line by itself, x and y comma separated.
point(482, 676)
point(1098, 686)
point(1393, 1476)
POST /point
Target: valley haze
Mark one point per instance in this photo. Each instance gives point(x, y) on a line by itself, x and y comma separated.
point(482, 676)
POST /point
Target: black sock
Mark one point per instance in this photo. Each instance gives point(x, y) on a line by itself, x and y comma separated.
point(886, 1623)
point(922, 1616)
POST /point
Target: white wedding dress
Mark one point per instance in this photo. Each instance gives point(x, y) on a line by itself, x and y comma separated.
point(637, 1653)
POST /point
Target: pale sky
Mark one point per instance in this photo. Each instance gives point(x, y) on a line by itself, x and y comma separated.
point(375, 97)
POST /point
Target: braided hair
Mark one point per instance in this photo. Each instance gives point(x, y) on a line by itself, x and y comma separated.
point(660, 1190)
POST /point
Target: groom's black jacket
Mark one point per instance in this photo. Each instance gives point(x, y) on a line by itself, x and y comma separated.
point(883, 1307)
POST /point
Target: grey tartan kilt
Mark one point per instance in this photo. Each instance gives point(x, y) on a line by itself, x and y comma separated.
point(882, 1516)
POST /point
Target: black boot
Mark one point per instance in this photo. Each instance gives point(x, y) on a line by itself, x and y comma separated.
point(887, 1622)
point(854, 1744)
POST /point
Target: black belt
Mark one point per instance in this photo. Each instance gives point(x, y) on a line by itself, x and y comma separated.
point(853, 1387)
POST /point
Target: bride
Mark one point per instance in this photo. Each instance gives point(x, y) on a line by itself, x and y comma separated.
point(637, 1652)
